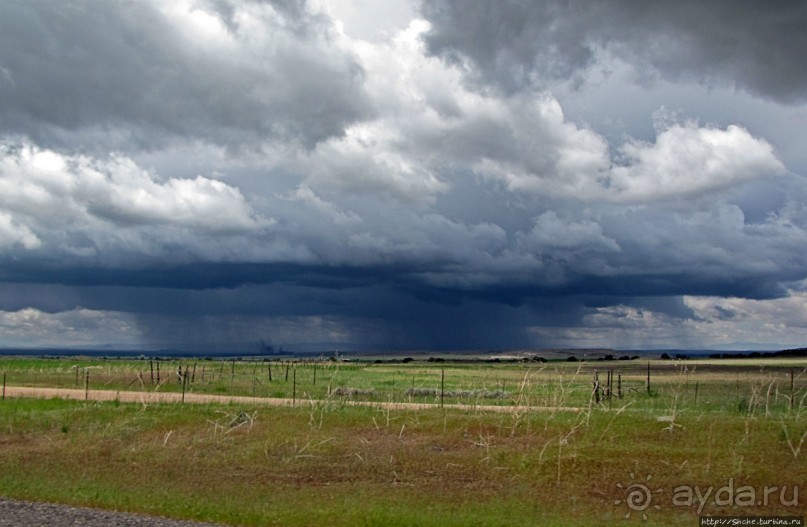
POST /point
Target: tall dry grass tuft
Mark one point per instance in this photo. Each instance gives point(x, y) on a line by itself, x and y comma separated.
point(794, 449)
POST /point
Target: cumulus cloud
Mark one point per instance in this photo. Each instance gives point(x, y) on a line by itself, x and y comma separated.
point(11, 233)
point(687, 159)
point(551, 233)
point(433, 122)
point(754, 46)
point(45, 195)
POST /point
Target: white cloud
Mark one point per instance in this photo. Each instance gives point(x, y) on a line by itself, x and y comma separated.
point(79, 327)
point(367, 161)
point(789, 313)
point(11, 233)
point(718, 323)
point(430, 121)
point(684, 160)
point(80, 205)
point(57, 190)
point(551, 233)
point(687, 159)
point(309, 198)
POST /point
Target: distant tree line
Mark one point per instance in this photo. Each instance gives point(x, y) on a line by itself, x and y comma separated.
point(798, 352)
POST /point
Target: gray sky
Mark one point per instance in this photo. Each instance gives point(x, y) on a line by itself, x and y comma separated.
point(207, 174)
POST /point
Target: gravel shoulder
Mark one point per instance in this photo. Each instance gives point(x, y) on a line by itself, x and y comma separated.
point(18, 513)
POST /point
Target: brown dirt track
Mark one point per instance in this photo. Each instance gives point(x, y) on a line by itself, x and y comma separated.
point(196, 398)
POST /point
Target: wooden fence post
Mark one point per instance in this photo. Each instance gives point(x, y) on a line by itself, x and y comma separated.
point(596, 383)
point(442, 385)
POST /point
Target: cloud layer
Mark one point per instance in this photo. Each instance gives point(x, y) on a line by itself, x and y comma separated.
point(515, 44)
point(139, 74)
point(210, 174)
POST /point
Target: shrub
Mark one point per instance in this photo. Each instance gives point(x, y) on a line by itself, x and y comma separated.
point(346, 391)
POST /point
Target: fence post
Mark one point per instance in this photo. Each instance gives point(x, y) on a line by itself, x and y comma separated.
point(596, 390)
point(294, 387)
point(4, 386)
point(442, 385)
point(648, 378)
point(86, 384)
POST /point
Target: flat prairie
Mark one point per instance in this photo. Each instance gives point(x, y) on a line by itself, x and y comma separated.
point(421, 443)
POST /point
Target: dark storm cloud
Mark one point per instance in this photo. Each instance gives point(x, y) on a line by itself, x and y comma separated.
point(753, 45)
point(131, 74)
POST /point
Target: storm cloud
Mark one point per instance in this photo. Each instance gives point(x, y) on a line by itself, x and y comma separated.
point(139, 74)
point(754, 45)
point(208, 175)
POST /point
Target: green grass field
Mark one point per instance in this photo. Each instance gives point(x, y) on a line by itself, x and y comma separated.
point(726, 437)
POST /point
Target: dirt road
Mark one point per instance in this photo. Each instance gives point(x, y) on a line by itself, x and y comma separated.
point(151, 397)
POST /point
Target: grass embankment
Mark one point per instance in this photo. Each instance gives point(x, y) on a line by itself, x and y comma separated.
point(331, 464)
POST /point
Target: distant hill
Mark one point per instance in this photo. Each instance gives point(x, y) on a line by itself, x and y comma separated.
point(798, 352)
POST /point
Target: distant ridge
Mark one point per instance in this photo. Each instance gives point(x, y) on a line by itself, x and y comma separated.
point(797, 352)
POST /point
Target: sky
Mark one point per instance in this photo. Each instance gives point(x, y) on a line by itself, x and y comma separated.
point(207, 175)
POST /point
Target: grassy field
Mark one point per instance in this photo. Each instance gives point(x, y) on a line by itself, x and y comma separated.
point(722, 437)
